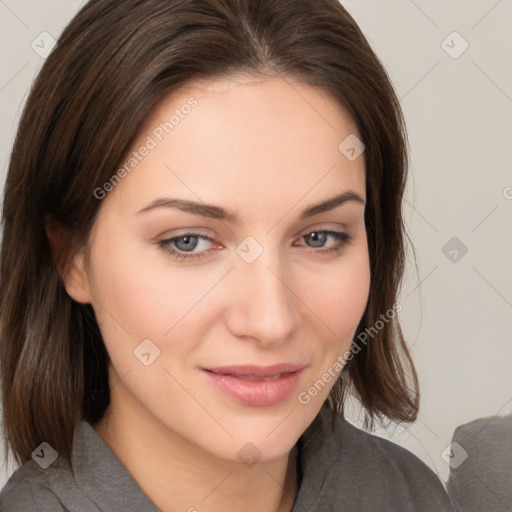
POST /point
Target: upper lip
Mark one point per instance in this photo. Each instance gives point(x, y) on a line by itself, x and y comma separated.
point(256, 371)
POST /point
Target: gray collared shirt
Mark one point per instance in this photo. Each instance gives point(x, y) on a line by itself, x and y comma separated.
point(345, 470)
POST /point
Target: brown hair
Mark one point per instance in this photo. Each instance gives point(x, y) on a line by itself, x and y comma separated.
point(113, 63)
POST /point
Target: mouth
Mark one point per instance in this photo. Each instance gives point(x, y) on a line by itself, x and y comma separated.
point(249, 377)
point(256, 372)
point(258, 386)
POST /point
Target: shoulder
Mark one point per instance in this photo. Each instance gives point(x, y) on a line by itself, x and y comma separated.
point(28, 489)
point(486, 443)
point(96, 480)
point(374, 473)
point(484, 447)
point(486, 431)
point(481, 476)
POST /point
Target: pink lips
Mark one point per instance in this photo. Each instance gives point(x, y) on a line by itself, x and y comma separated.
point(258, 386)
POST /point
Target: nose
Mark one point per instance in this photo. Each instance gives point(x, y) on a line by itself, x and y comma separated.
point(262, 304)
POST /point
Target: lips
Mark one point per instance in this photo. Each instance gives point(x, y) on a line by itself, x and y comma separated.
point(258, 386)
point(252, 372)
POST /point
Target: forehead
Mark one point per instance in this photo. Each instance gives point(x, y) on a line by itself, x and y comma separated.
point(238, 135)
point(256, 102)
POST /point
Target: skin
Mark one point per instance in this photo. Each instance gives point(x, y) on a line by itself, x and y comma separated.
point(267, 149)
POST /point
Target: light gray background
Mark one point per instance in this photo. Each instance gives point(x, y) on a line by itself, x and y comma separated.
point(457, 314)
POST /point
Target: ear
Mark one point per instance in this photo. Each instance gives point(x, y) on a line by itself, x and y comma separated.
point(74, 275)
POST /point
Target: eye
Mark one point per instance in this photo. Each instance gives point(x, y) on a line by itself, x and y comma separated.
point(318, 238)
point(185, 243)
point(183, 247)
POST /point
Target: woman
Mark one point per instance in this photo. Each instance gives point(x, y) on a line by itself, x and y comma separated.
point(202, 249)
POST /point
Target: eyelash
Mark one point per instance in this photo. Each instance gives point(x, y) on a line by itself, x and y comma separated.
point(342, 237)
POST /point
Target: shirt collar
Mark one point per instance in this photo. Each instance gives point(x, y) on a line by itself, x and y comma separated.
point(103, 477)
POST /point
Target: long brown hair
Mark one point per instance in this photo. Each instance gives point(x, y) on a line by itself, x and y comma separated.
point(113, 63)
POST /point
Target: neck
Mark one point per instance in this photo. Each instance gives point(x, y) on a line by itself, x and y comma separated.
point(178, 475)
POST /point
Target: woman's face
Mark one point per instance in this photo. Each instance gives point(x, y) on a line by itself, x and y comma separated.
point(198, 304)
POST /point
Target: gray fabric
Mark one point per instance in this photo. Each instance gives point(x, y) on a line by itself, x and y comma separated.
point(346, 470)
point(484, 480)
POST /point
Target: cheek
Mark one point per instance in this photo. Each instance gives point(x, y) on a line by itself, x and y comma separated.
point(338, 297)
point(134, 287)
point(140, 296)
point(338, 300)
point(131, 298)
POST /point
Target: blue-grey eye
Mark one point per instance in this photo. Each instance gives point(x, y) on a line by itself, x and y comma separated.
point(318, 238)
point(189, 242)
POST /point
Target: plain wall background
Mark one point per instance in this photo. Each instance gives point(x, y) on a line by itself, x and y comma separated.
point(456, 314)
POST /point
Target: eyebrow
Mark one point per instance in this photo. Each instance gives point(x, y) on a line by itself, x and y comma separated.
point(220, 213)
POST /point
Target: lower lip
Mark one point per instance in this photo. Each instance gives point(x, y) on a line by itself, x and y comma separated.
point(257, 393)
